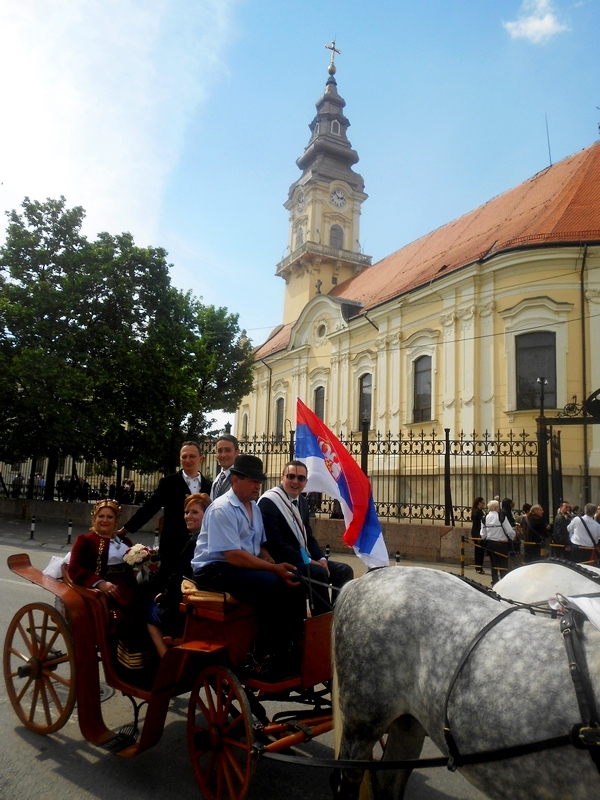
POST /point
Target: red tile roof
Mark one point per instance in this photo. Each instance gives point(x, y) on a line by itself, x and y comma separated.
point(561, 204)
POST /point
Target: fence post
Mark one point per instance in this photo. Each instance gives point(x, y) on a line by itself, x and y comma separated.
point(364, 452)
point(448, 510)
point(542, 465)
point(292, 456)
point(70, 531)
point(32, 529)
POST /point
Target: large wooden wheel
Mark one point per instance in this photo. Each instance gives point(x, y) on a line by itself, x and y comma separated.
point(39, 668)
point(220, 735)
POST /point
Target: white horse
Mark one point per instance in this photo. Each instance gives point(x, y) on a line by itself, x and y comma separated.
point(536, 583)
point(399, 636)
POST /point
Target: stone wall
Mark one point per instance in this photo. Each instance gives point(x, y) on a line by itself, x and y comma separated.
point(61, 513)
point(436, 543)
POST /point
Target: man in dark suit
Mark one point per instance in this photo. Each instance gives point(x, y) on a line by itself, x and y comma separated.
point(227, 449)
point(290, 538)
point(170, 496)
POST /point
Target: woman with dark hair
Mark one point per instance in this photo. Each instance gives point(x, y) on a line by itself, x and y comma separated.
point(477, 517)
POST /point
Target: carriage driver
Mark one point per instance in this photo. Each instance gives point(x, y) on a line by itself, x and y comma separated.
point(230, 557)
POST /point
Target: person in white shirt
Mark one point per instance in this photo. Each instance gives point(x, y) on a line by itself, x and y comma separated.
point(585, 535)
point(497, 535)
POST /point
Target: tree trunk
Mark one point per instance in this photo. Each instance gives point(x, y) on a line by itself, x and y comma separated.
point(31, 484)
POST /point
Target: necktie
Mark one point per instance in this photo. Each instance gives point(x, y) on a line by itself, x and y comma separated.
point(219, 482)
point(295, 503)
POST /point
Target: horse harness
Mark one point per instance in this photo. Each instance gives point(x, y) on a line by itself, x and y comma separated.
point(585, 736)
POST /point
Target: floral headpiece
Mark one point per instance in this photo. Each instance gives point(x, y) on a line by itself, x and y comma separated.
point(112, 504)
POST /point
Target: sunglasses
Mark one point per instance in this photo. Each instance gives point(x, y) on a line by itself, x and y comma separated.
point(291, 476)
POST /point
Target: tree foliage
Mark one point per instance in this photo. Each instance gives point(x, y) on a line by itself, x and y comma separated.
point(99, 351)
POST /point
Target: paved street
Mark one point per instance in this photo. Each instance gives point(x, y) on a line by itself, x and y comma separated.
point(64, 765)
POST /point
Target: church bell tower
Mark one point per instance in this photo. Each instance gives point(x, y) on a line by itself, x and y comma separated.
point(324, 206)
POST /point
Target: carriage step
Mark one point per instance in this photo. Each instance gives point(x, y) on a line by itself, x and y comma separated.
point(125, 737)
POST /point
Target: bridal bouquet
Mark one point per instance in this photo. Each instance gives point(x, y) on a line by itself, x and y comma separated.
point(144, 560)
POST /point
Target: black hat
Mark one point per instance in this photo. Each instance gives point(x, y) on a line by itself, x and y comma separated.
point(248, 467)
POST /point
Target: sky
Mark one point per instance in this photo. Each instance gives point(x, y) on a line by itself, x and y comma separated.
point(180, 121)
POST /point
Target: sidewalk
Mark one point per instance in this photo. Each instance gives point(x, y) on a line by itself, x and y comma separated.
point(54, 538)
point(49, 536)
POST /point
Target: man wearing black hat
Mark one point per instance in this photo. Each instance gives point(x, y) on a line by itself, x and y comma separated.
point(230, 557)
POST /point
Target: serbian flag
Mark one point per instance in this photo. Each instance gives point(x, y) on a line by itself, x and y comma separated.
point(333, 471)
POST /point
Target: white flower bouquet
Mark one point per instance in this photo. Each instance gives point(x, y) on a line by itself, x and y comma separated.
point(143, 560)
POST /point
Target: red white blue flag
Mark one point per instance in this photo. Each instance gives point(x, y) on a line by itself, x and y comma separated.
point(333, 471)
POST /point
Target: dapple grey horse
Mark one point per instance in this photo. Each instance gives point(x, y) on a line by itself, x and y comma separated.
point(538, 582)
point(399, 635)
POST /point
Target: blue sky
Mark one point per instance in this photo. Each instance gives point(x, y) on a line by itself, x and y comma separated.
point(181, 120)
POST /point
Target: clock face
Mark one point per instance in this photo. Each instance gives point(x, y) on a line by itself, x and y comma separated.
point(337, 198)
point(300, 202)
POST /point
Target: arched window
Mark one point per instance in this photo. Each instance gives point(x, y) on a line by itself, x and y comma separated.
point(422, 390)
point(319, 402)
point(365, 397)
point(536, 358)
point(336, 237)
point(335, 127)
point(279, 418)
point(299, 238)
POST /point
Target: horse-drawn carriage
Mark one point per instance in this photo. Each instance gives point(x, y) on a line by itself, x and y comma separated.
point(52, 655)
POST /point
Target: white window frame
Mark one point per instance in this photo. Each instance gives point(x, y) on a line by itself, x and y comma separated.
point(421, 343)
point(533, 315)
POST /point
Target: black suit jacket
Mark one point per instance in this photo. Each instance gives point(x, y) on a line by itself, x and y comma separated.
point(282, 542)
point(169, 495)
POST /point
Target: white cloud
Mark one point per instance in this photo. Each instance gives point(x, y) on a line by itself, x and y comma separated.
point(96, 95)
point(536, 22)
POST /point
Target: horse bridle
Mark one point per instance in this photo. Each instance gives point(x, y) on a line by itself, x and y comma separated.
point(585, 735)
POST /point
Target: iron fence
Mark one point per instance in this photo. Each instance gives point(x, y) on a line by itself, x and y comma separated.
point(424, 477)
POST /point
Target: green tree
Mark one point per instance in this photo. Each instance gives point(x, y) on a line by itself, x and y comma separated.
point(101, 356)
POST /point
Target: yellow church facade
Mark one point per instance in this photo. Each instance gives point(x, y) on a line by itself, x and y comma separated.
point(472, 327)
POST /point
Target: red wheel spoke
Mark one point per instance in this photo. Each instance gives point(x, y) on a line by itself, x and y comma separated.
point(232, 724)
point(45, 703)
point(34, 645)
point(26, 640)
point(234, 763)
point(228, 776)
point(48, 645)
point(24, 689)
point(55, 698)
point(210, 700)
point(237, 743)
point(18, 654)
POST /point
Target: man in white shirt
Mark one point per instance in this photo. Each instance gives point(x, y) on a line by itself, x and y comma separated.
point(585, 535)
point(227, 448)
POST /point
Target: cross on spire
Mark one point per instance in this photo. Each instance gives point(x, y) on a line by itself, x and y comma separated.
point(334, 50)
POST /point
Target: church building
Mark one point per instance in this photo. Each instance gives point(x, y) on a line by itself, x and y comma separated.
point(464, 328)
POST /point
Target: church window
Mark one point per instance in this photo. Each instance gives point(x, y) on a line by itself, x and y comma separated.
point(319, 402)
point(422, 389)
point(279, 418)
point(336, 237)
point(299, 237)
point(536, 358)
point(365, 398)
point(335, 127)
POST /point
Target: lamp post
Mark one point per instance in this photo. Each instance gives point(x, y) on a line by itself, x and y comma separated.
point(543, 493)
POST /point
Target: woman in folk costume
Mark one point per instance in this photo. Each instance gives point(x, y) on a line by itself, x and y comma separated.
point(97, 563)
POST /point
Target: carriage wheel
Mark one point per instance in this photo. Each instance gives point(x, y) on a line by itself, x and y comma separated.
point(220, 735)
point(39, 668)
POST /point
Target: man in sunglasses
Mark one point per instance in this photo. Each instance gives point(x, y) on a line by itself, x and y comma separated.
point(290, 538)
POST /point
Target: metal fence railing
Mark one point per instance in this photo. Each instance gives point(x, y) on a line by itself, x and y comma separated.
point(416, 476)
